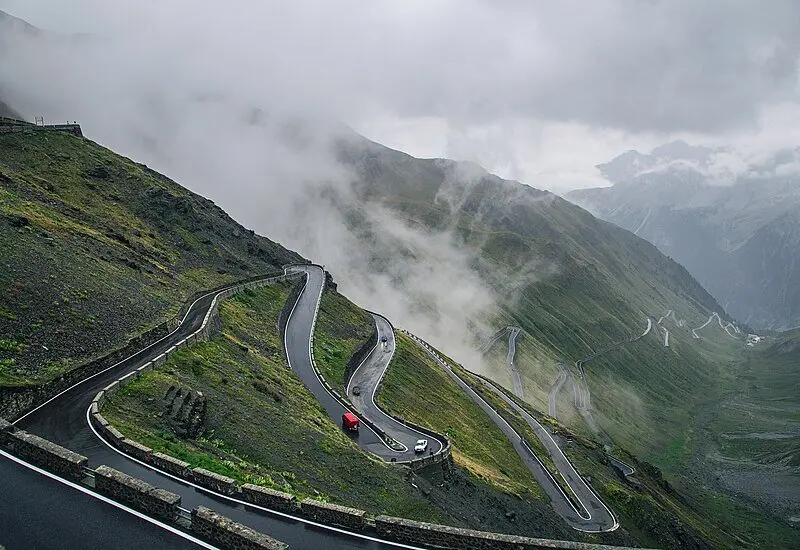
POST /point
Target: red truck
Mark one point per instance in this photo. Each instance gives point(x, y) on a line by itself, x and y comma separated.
point(350, 421)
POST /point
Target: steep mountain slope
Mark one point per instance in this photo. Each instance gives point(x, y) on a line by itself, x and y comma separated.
point(574, 284)
point(738, 236)
point(7, 111)
point(96, 247)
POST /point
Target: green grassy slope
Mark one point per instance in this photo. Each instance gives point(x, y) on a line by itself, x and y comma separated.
point(96, 248)
point(752, 438)
point(651, 509)
point(262, 424)
point(575, 284)
point(417, 390)
point(342, 328)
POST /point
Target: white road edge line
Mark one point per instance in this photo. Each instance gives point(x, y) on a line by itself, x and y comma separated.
point(441, 445)
point(311, 355)
point(616, 521)
point(131, 355)
point(242, 502)
point(107, 500)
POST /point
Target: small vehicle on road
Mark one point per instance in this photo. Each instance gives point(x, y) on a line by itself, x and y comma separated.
point(383, 338)
point(350, 422)
point(356, 390)
point(421, 446)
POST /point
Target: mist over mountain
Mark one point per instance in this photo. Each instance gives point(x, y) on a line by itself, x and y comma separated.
point(736, 230)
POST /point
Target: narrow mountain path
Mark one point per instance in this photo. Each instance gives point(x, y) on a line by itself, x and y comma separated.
point(592, 515)
point(551, 397)
point(513, 334)
point(367, 378)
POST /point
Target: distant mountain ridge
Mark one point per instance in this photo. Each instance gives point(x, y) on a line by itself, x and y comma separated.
point(740, 240)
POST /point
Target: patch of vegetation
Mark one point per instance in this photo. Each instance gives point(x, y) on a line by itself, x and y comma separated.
point(418, 390)
point(262, 424)
point(342, 328)
point(90, 239)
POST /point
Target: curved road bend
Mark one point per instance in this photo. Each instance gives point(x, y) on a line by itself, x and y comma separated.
point(512, 351)
point(368, 376)
point(299, 329)
point(595, 516)
point(551, 397)
point(513, 333)
point(64, 420)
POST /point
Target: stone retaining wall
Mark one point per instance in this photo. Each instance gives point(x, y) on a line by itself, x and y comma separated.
point(6, 428)
point(229, 534)
point(74, 129)
point(170, 465)
point(333, 514)
point(136, 493)
point(361, 353)
point(215, 482)
point(441, 536)
point(269, 498)
point(49, 456)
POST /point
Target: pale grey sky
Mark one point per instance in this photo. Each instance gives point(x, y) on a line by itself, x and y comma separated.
point(533, 90)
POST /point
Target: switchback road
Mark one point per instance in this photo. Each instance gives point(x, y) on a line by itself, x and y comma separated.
point(367, 377)
point(64, 420)
point(591, 514)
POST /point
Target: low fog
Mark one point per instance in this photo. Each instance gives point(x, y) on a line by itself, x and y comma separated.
point(238, 100)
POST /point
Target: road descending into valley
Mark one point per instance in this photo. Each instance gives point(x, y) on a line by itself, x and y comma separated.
point(513, 334)
point(591, 514)
point(64, 419)
point(368, 376)
point(299, 330)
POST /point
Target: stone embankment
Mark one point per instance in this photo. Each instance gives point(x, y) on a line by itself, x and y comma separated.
point(214, 527)
point(133, 492)
point(12, 125)
point(229, 534)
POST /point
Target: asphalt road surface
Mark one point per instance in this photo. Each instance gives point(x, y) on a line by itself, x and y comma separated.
point(512, 352)
point(592, 515)
point(64, 420)
point(39, 512)
point(367, 377)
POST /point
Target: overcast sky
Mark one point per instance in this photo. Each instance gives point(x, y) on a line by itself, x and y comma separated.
point(536, 91)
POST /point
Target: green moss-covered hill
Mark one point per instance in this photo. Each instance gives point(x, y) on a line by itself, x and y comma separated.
point(95, 247)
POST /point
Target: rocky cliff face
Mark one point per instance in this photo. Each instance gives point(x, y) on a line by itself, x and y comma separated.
point(738, 235)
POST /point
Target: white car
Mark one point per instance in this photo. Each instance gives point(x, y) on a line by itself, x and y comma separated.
point(421, 446)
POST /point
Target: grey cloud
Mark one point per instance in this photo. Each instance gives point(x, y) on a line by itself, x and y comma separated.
point(663, 66)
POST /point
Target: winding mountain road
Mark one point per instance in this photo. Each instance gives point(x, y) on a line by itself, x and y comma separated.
point(553, 395)
point(513, 334)
point(64, 420)
point(367, 378)
point(592, 515)
point(512, 352)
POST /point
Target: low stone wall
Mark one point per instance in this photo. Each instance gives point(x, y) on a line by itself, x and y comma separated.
point(215, 482)
point(170, 465)
point(229, 534)
point(6, 428)
point(18, 400)
point(361, 353)
point(49, 456)
point(136, 493)
point(269, 498)
point(333, 514)
point(441, 536)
